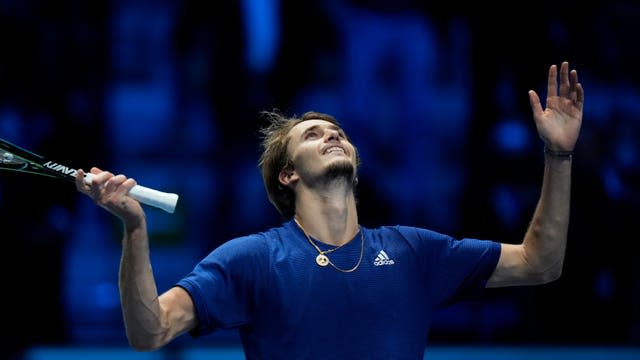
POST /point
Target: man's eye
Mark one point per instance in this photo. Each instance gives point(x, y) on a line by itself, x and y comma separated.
point(311, 135)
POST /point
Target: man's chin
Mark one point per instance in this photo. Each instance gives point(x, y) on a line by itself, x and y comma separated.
point(341, 169)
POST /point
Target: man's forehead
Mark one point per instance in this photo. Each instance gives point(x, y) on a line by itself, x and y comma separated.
point(306, 124)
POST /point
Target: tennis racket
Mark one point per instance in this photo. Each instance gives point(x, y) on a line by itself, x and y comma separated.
point(15, 158)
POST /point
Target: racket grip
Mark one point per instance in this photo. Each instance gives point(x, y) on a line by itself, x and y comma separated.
point(162, 200)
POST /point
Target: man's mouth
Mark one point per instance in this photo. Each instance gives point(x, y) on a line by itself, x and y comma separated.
point(334, 149)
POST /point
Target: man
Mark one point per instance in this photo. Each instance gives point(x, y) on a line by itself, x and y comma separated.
point(322, 286)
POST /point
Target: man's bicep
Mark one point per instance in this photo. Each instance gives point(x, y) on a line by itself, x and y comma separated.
point(179, 309)
point(510, 269)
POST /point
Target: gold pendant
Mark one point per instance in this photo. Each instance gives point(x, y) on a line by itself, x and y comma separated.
point(322, 260)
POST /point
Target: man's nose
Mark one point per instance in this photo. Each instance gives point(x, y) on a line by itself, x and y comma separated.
point(332, 135)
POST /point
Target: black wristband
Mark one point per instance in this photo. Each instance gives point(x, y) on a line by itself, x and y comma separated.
point(559, 154)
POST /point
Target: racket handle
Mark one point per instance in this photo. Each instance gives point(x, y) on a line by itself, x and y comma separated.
point(162, 200)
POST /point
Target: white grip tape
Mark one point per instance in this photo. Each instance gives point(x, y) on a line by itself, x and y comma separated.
point(163, 200)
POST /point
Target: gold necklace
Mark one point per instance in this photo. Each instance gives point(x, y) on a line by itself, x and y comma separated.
point(322, 259)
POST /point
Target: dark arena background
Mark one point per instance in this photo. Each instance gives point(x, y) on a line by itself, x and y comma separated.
point(434, 94)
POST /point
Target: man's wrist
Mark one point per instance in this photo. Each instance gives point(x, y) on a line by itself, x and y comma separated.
point(566, 155)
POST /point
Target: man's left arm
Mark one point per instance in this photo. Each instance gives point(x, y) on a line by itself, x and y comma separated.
point(539, 258)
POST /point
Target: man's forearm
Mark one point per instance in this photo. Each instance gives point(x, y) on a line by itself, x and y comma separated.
point(138, 291)
point(546, 239)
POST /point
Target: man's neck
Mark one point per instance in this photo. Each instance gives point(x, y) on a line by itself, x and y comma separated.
point(328, 216)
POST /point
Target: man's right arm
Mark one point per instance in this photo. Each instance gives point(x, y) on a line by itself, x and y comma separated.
point(151, 321)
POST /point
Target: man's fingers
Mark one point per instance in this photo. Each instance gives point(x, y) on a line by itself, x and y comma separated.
point(80, 184)
point(114, 182)
point(552, 81)
point(100, 178)
point(534, 101)
point(103, 184)
point(565, 87)
point(579, 95)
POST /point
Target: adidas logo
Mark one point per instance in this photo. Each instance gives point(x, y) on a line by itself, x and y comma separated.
point(383, 259)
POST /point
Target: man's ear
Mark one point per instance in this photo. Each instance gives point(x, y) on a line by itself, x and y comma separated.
point(287, 176)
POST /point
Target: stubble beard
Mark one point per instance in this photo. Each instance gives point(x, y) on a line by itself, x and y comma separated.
point(339, 172)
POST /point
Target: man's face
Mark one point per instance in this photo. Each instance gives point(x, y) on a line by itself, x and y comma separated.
point(319, 149)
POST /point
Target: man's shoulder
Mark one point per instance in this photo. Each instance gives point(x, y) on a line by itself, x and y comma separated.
point(262, 236)
point(406, 231)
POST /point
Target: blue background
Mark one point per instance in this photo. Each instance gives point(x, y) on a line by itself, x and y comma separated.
point(434, 96)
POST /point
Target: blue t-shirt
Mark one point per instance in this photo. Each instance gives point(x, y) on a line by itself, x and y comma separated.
point(269, 286)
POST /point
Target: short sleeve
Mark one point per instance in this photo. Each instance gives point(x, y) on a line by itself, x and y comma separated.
point(455, 269)
point(223, 285)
